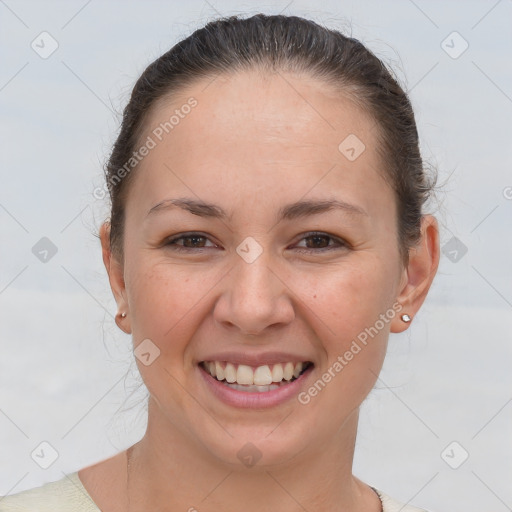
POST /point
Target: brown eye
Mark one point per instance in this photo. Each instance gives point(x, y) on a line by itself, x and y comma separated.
point(189, 242)
point(317, 241)
point(320, 242)
point(193, 241)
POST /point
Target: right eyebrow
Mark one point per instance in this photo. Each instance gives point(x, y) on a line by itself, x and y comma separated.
point(193, 206)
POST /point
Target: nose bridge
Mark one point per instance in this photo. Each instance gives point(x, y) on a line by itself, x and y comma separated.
point(255, 280)
point(254, 297)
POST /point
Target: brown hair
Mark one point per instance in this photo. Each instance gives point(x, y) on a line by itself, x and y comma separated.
point(291, 43)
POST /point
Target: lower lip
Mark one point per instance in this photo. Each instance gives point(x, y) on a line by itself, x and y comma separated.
point(254, 400)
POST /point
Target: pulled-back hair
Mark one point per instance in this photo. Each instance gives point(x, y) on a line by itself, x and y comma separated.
point(287, 43)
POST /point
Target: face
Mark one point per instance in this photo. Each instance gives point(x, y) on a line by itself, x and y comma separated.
point(253, 238)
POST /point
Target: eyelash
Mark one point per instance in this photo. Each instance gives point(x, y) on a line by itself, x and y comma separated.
point(341, 244)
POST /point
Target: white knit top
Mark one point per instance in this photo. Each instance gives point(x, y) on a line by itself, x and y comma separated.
point(69, 495)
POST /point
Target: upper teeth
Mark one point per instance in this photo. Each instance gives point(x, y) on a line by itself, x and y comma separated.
point(260, 376)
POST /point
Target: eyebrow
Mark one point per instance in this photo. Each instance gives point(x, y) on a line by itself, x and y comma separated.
point(289, 212)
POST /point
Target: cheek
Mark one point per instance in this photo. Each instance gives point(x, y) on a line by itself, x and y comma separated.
point(168, 303)
point(350, 299)
point(166, 300)
point(347, 307)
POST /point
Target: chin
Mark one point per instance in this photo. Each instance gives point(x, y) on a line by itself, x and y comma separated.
point(252, 447)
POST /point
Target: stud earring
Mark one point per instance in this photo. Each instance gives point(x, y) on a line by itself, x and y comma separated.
point(123, 315)
point(405, 318)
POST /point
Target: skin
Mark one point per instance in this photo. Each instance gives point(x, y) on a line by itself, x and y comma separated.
point(254, 143)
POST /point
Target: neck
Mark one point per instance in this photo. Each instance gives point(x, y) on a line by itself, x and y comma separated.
point(168, 471)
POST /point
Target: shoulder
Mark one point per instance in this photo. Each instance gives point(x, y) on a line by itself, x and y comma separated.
point(60, 496)
point(391, 505)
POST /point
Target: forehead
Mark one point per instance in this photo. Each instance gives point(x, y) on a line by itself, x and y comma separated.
point(252, 131)
point(275, 108)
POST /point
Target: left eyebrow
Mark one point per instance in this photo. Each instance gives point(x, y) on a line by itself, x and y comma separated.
point(307, 208)
point(289, 212)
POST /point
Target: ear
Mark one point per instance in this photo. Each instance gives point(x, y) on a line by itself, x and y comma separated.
point(115, 273)
point(419, 273)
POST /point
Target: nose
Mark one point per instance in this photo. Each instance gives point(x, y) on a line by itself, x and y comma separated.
point(254, 298)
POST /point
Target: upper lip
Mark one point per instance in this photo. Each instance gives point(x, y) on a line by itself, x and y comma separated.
point(265, 358)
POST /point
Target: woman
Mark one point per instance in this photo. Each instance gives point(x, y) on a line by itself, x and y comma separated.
point(266, 236)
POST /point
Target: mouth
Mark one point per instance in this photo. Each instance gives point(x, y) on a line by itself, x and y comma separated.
point(250, 379)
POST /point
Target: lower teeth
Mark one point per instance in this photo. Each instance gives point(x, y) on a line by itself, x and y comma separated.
point(252, 388)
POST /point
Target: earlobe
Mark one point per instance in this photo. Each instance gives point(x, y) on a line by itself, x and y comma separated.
point(116, 278)
point(122, 322)
point(419, 274)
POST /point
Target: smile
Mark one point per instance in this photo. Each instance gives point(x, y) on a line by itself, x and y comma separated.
point(249, 386)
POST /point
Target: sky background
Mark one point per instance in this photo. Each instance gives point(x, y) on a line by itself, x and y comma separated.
point(67, 375)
